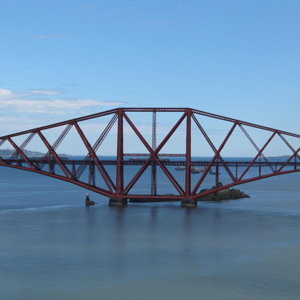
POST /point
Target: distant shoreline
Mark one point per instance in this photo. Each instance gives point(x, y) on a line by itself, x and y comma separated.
point(6, 153)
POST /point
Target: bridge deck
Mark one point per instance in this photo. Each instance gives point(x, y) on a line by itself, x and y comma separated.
point(139, 162)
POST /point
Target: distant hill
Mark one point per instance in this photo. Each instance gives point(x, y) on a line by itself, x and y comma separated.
point(281, 156)
point(6, 153)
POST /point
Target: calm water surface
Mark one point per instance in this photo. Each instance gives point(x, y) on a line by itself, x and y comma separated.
point(53, 247)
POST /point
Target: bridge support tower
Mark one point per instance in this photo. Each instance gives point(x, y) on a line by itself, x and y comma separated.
point(188, 203)
point(117, 202)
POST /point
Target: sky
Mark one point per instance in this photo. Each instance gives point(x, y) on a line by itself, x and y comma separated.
point(61, 59)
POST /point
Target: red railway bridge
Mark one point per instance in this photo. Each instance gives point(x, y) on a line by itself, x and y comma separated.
point(169, 163)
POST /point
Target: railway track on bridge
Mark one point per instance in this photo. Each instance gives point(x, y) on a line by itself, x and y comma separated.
point(140, 162)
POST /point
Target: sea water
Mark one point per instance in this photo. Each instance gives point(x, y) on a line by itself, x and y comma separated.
point(53, 247)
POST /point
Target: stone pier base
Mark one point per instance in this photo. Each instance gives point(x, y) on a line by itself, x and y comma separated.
point(117, 202)
point(189, 203)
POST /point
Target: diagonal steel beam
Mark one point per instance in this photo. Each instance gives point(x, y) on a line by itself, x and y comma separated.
point(213, 148)
point(288, 144)
point(214, 158)
point(21, 153)
point(158, 109)
point(24, 144)
point(153, 155)
point(2, 162)
point(255, 146)
point(56, 144)
point(96, 146)
point(290, 158)
point(99, 165)
point(258, 154)
point(62, 136)
point(171, 178)
point(55, 155)
point(164, 141)
point(136, 177)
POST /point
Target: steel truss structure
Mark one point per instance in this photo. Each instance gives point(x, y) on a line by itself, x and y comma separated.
point(71, 170)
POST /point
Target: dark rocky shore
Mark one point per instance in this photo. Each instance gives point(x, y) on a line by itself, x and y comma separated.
point(227, 194)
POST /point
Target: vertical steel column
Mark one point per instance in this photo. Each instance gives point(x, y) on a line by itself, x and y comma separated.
point(217, 173)
point(153, 163)
point(120, 153)
point(188, 156)
point(73, 170)
point(187, 201)
point(51, 167)
point(92, 173)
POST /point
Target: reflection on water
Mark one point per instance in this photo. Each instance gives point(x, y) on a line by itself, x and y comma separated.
point(53, 247)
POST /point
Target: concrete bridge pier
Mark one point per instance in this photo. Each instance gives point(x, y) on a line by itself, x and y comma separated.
point(117, 202)
point(188, 203)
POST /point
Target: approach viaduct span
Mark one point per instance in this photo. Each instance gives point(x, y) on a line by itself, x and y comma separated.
point(118, 178)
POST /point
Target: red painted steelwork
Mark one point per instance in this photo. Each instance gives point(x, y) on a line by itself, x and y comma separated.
point(100, 180)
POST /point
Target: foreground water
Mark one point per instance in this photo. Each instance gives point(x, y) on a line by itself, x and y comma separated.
point(53, 247)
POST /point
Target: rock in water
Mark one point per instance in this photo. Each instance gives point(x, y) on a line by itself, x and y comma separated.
point(88, 202)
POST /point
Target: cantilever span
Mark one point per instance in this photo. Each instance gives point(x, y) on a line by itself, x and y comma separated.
point(157, 154)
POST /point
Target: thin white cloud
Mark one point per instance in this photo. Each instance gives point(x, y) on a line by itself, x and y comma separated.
point(13, 120)
point(53, 106)
point(23, 103)
point(46, 92)
point(5, 93)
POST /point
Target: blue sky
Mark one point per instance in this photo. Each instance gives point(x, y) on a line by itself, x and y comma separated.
point(66, 58)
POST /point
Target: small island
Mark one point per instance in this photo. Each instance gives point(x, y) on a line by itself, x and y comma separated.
point(226, 194)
